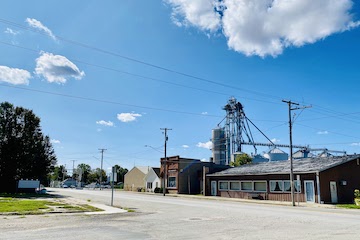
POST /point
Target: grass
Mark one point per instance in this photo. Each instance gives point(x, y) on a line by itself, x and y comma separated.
point(22, 206)
point(10, 205)
point(348, 206)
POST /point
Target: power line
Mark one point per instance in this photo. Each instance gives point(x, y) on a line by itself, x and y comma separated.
point(109, 102)
point(139, 61)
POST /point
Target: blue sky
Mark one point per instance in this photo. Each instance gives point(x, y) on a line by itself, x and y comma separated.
point(110, 74)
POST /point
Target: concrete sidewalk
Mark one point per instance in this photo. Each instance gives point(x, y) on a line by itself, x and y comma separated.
point(106, 209)
point(252, 201)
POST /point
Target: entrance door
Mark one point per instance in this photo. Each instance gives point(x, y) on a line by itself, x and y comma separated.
point(213, 188)
point(333, 192)
point(309, 191)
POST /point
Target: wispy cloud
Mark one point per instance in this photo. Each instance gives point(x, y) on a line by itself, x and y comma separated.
point(204, 113)
point(355, 144)
point(185, 146)
point(128, 117)
point(207, 145)
point(39, 26)
point(14, 76)
point(55, 141)
point(266, 27)
point(275, 140)
point(57, 68)
point(105, 123)
point(323, 132)
point(11, 31)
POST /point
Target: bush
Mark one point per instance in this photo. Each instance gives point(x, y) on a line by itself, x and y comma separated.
point(357, 193)
point(158, 190)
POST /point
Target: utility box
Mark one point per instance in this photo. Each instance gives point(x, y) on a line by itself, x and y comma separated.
point(28, 186)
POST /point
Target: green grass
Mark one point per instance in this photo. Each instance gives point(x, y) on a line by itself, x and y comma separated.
point(22, 206)
point(348, 206)
point(10, 205)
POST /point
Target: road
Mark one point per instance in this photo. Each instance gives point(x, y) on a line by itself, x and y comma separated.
point(158, 217)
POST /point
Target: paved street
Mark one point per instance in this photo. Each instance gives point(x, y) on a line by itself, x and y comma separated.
point(158, 217)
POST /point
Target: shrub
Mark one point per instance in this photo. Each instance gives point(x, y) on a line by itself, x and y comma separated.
point(357, 193)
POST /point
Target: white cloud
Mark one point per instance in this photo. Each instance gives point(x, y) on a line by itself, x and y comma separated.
point(38, 25)
point(57, 68)
point(355, 144)
point(128, 117)
point(105, 123)
point(185, 146)
point(204, 113)
point(14, 75)
point(54, 141)
point(266, 27)
point(198, 13)
point(275, 140)
point(11, 32)
point(323, 132)
point(207, 145)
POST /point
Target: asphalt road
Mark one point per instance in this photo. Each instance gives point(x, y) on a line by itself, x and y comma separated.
point(158, 217)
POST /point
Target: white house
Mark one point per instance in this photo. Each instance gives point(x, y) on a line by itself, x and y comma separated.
point(152, 179)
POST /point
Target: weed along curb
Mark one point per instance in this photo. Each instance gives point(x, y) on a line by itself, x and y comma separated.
point(30, 206)
point(46, 204)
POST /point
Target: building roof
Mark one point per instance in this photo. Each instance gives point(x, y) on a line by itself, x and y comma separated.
point(276, 150)
point(144, 169)
point(157, 171)
point(305, 165)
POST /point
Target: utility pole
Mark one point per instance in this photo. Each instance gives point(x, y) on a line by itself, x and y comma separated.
point(165, 160)
point(73, 169)
point(102, 158)
point(291, 108)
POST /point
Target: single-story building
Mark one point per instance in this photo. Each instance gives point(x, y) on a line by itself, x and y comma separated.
point(152, 179)
point(186, 175)
point(134, 179)
point(317, 180)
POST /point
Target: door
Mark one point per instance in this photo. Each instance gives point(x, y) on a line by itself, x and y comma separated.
point(333, 192)
point(309, 191)
point(213, 188)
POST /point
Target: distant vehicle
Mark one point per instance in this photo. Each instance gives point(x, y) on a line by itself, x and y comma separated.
point(65, 186)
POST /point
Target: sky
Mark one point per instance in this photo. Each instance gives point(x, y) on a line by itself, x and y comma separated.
point(111, 74)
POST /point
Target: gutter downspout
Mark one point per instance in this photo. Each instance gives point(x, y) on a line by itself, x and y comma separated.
point(318, 186)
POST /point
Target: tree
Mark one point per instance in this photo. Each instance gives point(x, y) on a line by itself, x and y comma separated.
point(94, 175)
point(241, 159)
point(25, 153)
point(59, 173)
point(120, 173)
point(85, 170)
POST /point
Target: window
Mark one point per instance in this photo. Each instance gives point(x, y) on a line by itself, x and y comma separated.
point(235, 186)
point(246, 186)
point(149, 185)
point(276, 186)
point(287, 186)
point(223, 185)
point(172, 182)
point(260, 186)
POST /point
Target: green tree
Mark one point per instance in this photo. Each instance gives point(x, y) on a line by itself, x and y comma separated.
point(94, 175)
point(59, 173)
point(85, 170)
point(25, 153)
point(241, 159)
point(120, 173)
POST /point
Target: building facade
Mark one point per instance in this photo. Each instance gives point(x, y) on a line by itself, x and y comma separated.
point(317, 180)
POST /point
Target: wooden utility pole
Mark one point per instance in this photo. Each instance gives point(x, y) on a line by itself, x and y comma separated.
point(165, 160)
point(291, 108)
point(101, 168)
